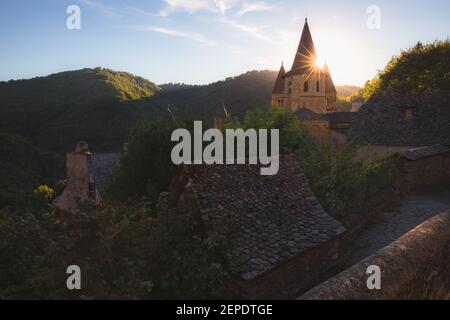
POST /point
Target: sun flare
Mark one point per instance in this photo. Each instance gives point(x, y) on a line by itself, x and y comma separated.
point(320, 63)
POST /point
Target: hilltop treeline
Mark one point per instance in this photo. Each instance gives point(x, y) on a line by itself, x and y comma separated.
point(422, 68)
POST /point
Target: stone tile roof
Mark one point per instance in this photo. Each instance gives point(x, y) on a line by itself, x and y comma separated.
point(341, 116)
point(425, 152)
point(101, 167)
point(306, 53)
point(381, 120)
point(280, 82)
point(308, 114)
point(270, 219)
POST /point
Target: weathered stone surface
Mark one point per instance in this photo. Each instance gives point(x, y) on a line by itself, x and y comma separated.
point(381, 120)
point(416, 266)
point(269, 218)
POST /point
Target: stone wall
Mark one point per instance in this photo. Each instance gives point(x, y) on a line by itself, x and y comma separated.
point(414, 267)
point(292, 277)
point(372, 152)
point(322, 132)
point(317, 101)
point(423, 173)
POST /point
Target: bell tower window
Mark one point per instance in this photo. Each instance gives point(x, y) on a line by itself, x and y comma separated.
point(318, 86)
point(306, 86)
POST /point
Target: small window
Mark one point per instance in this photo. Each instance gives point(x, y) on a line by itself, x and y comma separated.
point(408, 113)
point(280, 103)
point(306, 86)
point(318, 86)
point(290, 87)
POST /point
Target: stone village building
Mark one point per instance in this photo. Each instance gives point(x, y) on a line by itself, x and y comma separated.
point(280, 237)
point(308, 91)
point(87, 176)
point(306, 85)
point(392, 123)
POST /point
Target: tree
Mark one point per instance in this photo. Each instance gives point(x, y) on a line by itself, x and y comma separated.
point(422, 68)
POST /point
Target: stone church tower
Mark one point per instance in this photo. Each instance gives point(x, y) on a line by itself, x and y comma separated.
point(306, 85)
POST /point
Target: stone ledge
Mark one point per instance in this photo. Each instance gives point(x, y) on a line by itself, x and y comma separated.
point(416, 266)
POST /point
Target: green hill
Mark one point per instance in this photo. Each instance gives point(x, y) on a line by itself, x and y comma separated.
point(54, 111)
point(100, 105)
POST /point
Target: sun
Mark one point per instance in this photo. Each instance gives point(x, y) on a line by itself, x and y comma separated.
point(320, 63)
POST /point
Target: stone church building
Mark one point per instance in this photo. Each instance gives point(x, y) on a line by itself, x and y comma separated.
point(307, 85)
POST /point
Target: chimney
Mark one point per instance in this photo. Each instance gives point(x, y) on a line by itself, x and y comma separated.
point(220, 117)
point(82, 148)
point(79, 183)
point(219, 123)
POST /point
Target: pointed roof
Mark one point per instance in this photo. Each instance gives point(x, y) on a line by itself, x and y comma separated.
point(306, 52)
point(279, 84)
point(329, 84)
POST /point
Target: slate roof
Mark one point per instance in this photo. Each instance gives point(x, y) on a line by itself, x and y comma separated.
point(338, 120)
point(425, 152)
point(280, 82)
point(101, 167)
point(308, 114)
point(381, 121)
point(270, 219)
point(306, 52)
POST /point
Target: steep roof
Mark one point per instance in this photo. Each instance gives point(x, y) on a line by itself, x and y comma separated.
point(279, 83)
point(306, 52)
point(425, 152)
point(329, 84)
point(381, 120)
point(270, 219)
point(101, 167)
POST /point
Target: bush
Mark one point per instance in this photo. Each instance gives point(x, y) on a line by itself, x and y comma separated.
point(124, 252)
point(344, 186)
point(422, 68)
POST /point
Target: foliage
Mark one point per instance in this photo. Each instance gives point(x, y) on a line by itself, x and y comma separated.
point(422, 68)
point(42, 196)
point(124, 252)
point(22, 168)
point(344, 104)
point(147, 169)
point(344, 185)
point(292, 134)
point(56, 111)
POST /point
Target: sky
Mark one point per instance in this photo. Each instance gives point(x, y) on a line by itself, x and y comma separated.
point(202, 41)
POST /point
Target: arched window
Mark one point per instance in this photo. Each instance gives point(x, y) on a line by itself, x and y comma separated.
point(306, 86)
point(290, 87)
point(318, 86)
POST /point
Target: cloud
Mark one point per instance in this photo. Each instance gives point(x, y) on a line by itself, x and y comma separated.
point(182, 34)
point(248, 29)
point(193, 6)
point(252, 7)
point(108, 11)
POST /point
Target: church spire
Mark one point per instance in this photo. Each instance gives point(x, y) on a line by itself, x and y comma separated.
point(279, 83)
point(306, 55)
